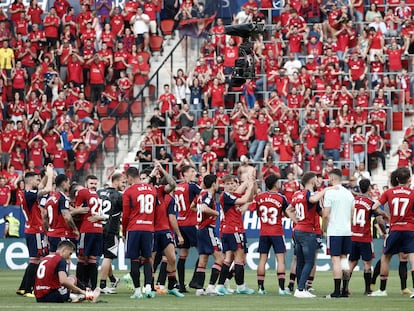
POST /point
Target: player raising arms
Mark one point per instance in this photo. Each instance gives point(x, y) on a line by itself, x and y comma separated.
point(400, 200)
point(57, 219)
point(111, 200)
point(361, 231)
point(270, 207)
point(138, 213)
point(207, 240)
point(33, 229)
point(184, 194)
point(232, 231)
point(91, 233)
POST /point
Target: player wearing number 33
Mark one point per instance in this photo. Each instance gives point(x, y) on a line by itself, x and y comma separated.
point(138, 214)
point(271, 206)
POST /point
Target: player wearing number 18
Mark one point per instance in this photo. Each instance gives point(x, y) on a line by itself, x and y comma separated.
point(400, 200)
point(91, 232)
point(138, 208)
point(271, 207)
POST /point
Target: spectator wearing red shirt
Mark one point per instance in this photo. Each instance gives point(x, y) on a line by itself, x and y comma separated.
point(221, 120)
point(209, 158)
point(141, 71)
point(269, 168)
point(315, 161)
point(17, 160)
point(51, 25)
point(375, 145)
point(357, 70)
point(378, 117)
point(404, 154)
point(409, 134)
point(394, 57)
point(310, 136)
point(332, 143)
point(5, 192)
point(19, 76)
point(261, 128)
point(75, 68)
point(81, 161)
point(36, 150)
point(59, 158)
point(290, 186)
point(295, 41)
point(358, 145)
point(216, 93)
point(117, 22)
point(218, 144)
point(202, 122)
point(97, 77)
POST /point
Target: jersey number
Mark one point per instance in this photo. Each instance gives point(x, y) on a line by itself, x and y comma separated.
point(268, 215)
point(359, 218)
point(146, 203)
point(399, 205)
point(300, 211)
point(41, 270)
point(180, 203)
point(96, 207)
point(106, 206)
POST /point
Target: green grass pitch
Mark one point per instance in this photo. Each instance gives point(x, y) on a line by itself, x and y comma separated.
point(9, 281)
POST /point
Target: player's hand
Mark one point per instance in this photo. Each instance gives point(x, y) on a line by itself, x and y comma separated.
point(180, 240)
point(76, 234)
point(94, 218)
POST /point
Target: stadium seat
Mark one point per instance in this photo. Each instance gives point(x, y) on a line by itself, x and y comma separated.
point(136, 109)
point(123, 126)
point(167, 28)
point(87, 91)
point(110, 143)
point(107, 125)
point(155, 43)
point(102, 111)
point(122, 108)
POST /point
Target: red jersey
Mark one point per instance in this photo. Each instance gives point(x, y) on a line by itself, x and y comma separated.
point(47, 277)
point(232, 221)
point(89, 199)
point(289, 188)
point(138, 206)
point(32, 212)
point(203, 220)
point(361, 220)
point(306, 212)
point(270, 207)
point(185, 194)
point(4, 194)
point(55, 204)
point(400, 200)
point(166, 100)
point(404, 158)
point(165, 208)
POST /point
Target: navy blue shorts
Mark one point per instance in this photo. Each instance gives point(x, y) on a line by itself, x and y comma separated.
point(110, 246)
point(266, 242)
point(233, 241)
point(53, 242)
point(399, 241)
point(207, 241)
point(339, 245)
point(139, 244)
point(90, 244)
point(57, 296)
point(161, 240)
point(189, 234)
point(361, 250)
point(35, 244)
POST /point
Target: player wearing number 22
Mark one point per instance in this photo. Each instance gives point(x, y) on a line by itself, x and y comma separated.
point(138, 207)
point(270, 207)
point(91, 233)
point(400, 200)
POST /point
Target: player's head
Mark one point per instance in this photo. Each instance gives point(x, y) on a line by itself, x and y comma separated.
point(144, 177)
point(118, 181)
point(309, 179)
point(403, 175)
point(364, 185)
point(335, 176)
point(393, 179)
point(271, 181)
point(65, 248)
point(132, 175)
point(91, 182)
point(32, 180)
point(229, 182)
point(62, 182)
point(189, 173)
point(210, 181)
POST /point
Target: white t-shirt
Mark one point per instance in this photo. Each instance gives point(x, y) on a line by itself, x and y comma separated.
point(140, 24)
point(340, 202)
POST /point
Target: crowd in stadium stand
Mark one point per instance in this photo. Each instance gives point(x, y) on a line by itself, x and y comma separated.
point(325, 72)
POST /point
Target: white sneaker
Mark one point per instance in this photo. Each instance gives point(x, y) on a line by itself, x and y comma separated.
point(379, 293)
point(211, 291)
point(108, 291)
point(75, 298)
point(227, 286)
point(95, 294)
point(200, 292)
point(303, 294)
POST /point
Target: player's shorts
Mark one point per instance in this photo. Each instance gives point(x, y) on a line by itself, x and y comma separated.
point(139, 244)
point(110, 246)
point(277, 242)
point(54, 241)
point(90, 244)
point(161, 240)
point(399, 241)
point(207, 241)
point(189, 234)
point(35, 244)
point(57, 296)
point(339, 245)
point(233, 241)
point(361, 250)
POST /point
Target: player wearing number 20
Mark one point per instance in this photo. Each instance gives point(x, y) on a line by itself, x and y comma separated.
point(400, 200)
point(138, 208)
point(271, 206)
point(91, 232)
